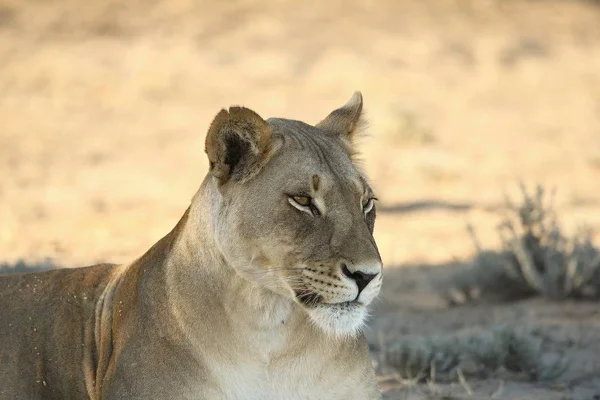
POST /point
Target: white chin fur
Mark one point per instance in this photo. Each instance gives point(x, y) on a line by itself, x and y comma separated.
point(339, 319)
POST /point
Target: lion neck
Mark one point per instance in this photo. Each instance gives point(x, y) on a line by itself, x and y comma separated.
point(206, 295)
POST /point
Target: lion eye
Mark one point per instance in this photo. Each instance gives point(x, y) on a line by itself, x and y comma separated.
point(303, 201)
point(305, 204)
point(368, 206)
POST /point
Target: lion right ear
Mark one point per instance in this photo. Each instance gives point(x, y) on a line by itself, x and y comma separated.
point(237, 144)
point(346, 120)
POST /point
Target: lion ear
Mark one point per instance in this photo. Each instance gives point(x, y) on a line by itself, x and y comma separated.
point(237, 144)
point(346, 120)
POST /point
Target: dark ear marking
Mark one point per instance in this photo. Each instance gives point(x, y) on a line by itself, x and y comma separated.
point(236, 148)
point(237, 144)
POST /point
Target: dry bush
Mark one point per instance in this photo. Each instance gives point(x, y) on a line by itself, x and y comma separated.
point(536, 258)
point(23, 267)
point(478, 353)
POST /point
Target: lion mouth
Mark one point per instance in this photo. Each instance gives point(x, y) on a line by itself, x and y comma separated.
point(311, 299)
point(352, 303)
point(344, 306)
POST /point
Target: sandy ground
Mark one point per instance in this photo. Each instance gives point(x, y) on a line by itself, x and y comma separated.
point(104, 107)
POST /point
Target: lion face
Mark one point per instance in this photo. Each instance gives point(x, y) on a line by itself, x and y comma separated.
point(301, 223)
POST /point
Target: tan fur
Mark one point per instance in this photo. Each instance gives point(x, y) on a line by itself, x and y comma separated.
point(345, 120)
point(246, 298)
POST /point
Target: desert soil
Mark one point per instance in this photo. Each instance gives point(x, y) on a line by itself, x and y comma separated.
point(104, 106)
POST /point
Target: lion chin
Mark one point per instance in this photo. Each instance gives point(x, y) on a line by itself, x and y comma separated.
point(339, 319)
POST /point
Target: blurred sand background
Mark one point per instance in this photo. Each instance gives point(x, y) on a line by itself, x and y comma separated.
point(104, 106)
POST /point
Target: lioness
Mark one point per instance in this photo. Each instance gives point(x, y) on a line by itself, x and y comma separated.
point(259, 292)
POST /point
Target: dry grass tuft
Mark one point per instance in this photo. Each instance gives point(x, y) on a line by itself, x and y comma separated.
point(473, 353)
point(536, 258)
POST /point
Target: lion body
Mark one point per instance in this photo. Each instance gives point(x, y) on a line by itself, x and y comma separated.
point(200, 315)
point(47, 327)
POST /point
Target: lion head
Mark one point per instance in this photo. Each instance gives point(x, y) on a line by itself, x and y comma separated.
point(295, 214)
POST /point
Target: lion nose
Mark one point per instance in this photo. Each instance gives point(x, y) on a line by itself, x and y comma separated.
point(362, 279)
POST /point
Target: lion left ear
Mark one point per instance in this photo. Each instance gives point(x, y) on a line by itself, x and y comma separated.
point(237, 144)
point(345, 121)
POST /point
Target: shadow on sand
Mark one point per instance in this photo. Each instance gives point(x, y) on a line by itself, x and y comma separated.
point(425, 205)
